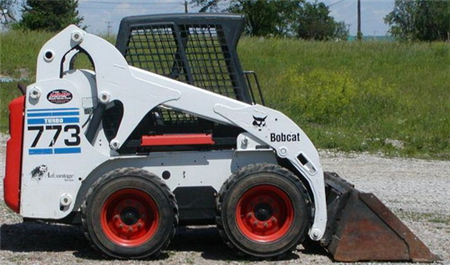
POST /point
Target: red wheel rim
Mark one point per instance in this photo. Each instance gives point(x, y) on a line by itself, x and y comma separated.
point(264, 213)
point(129, 217)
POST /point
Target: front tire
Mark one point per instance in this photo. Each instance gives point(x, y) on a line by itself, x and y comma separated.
point(263, 211)
point(129, 213)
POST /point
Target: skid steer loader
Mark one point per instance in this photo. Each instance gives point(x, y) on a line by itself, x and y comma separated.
point(165, 131)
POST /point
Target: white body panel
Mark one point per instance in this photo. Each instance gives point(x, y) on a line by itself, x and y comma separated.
point(71, 158)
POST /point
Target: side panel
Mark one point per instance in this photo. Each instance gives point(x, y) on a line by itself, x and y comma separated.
point(56, 154)
point(11, 182)
point(184, 169)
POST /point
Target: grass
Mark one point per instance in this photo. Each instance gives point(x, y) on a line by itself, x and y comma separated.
point(369, 96)
point(19, 50)
point(18, 56)
point(372, 96)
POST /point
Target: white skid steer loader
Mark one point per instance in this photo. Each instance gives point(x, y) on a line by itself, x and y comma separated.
point(165, 131)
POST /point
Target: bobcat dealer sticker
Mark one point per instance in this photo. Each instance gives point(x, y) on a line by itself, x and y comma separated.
point(59, 96)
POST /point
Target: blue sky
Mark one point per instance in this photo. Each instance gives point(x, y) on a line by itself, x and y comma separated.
point(99, 14)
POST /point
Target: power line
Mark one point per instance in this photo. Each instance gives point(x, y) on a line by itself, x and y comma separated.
point(335, 3)
point(132, 6)
point(127, 8)
point(130, 3)
point(178, 4)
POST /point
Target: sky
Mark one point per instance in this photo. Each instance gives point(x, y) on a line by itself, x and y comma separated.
point(103, 16)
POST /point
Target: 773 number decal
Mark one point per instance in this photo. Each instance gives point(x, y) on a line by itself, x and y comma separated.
point(73, 139)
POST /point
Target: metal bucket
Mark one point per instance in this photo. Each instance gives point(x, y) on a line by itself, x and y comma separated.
point(361, 228)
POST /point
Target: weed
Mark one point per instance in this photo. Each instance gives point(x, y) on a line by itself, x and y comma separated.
point(319, 96)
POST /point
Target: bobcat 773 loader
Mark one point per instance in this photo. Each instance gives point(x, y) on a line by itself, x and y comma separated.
point(165, 131)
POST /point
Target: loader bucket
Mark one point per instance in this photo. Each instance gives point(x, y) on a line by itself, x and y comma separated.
point(361, 228)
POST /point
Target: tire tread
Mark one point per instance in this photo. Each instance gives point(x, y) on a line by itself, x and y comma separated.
point(117, 173)
point(242, 173)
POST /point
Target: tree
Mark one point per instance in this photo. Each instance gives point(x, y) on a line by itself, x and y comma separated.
point(49, 15)
point(402, 20)
point(283, 18)
point(206, 4)
point(316, 23)
point(420, 20)
point(433, 20)
point(7, 8)
point(265, 17)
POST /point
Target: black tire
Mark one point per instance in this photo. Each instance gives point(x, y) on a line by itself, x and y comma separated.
point(263, 211)
point(129, 213)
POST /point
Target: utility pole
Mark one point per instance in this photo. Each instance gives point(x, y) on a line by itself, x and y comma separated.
point(359, 33)
point(5, 16)
point(185, 6)
point(108, 27)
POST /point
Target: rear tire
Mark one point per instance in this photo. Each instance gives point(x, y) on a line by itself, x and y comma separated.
point(263, 211)
point(129, 213)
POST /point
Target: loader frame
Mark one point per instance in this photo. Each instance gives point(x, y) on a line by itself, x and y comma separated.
point(64, 118)
point(179, 140)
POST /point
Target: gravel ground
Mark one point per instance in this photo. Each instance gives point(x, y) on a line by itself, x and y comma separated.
point(415, 190)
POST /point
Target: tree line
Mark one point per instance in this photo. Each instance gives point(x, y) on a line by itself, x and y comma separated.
point(280, 18)
point(41, 15)
point(410, 20)
point(420, 20)
point(295, 18)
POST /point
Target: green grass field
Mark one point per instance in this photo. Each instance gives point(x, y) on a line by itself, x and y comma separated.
point(384, 97)
point(370, 96)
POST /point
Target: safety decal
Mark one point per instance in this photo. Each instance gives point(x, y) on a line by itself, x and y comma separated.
point(56, 131)
point(59, 96)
